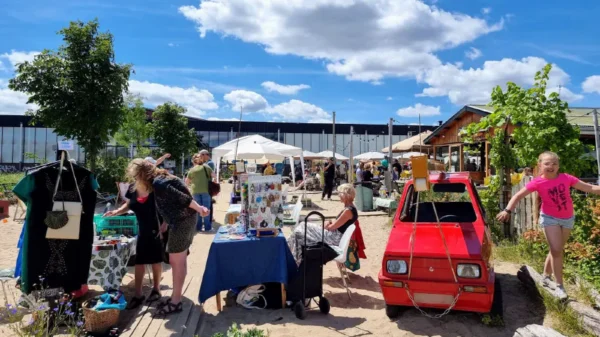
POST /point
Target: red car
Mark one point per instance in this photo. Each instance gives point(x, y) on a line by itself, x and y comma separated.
point(451, 253)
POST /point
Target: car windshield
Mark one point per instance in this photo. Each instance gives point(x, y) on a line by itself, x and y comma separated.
point(452, 202)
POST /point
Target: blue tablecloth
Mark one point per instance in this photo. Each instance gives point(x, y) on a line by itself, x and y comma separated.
point(239, 263)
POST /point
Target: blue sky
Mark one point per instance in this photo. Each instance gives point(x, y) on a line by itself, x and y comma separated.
point(366, 60)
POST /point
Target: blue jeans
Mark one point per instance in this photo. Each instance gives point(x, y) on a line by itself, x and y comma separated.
point(203, 199)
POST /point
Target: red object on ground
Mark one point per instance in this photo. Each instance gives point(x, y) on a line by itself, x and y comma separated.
point(360, 242)
point(4, 206)
point(81, 292)
point(432, 283)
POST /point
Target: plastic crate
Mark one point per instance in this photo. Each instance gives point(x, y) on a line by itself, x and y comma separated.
point(125, 225)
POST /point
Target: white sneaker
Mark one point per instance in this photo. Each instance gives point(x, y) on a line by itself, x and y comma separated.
point(547, 281)
point(561, 293)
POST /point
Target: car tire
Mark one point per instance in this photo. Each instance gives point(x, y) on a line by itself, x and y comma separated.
point(392, 311)
point(497, 309)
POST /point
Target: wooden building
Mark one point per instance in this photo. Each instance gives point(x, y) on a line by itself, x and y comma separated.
point(449, 148)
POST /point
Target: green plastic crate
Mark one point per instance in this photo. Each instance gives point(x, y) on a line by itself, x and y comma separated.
point(125, 225)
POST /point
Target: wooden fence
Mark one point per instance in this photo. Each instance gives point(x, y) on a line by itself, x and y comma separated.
point(525, 216)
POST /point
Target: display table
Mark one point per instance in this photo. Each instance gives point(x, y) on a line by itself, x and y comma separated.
point(243, 262)
point(109, 266)
point(390, 204)
point(233, 212)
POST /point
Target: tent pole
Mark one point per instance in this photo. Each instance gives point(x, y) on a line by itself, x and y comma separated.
point(238, 141)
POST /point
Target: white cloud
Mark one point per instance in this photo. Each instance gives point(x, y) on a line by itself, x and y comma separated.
point(195, 100)
point(13, 102)
point(16, 57)
point(171, 44)
point(392, 37)
point(249, 101)
point(486, 10)
point(473, 53)
point(565, 94)
point(471, 86)
point(284, 89)
point(296, 110)
point(414, 111)
point(591, 84)
point(390, 98)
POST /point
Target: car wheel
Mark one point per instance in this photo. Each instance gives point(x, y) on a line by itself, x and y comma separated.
point(497, 310)
point(299, 310)
point(392, 311)
point(324, 305)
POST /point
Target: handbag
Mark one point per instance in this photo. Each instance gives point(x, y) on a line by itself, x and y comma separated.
point(213, 188)
point(64, 220)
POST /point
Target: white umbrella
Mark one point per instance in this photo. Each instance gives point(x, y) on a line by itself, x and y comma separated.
point(256, 151)
point(329, 154)
point(370, 156)
point(309, 155)
point(412, 143)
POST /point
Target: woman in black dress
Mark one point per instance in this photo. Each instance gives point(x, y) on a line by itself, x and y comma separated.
point(149, 249)
point(175, 204)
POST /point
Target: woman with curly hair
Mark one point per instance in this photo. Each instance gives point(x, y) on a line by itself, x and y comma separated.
point(177, 207)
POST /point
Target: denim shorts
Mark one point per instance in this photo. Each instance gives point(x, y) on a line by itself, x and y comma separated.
point(547, 221)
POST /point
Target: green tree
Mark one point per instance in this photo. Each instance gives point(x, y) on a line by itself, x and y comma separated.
point(78, 88)
point(541, 122)
point(135, 128)
point(171, 132)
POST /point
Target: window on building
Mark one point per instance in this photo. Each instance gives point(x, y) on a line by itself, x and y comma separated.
point(29, 150)
point(40, 145)
point(7, 145)
point(51, 144)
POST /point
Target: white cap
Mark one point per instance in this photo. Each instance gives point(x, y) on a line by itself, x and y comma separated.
point(151, 160)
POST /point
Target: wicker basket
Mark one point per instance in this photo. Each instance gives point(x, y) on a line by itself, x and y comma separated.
point(99, 321)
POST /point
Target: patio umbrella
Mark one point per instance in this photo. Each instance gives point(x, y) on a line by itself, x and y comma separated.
point(407, 155)
point(329, 154)
point(370, 156)
point(309, 155)
point(410, 144)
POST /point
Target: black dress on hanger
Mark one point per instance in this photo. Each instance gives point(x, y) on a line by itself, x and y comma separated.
point(51, 263)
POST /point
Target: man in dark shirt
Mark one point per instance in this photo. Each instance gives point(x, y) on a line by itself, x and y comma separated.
point(329, 176)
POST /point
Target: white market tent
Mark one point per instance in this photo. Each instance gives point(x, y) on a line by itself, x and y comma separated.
point(370, 156)
point(309, 155)
point(410, 144)
point(258, 148)
point(329, 154)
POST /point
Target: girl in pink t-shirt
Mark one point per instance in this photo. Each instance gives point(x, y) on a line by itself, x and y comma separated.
point(556, 218)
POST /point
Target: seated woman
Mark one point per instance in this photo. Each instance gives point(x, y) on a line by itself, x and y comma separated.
point(333, 230)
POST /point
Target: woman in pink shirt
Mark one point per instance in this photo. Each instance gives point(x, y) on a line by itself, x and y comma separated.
point(557, 217)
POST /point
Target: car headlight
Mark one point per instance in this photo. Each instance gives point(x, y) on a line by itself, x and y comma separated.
point(396, 267)
point(468, 270)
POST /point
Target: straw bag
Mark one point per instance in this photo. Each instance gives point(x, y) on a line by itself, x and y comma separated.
point(99, 322)
point(64, 219)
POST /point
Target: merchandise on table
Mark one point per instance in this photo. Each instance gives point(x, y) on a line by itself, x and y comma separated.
point(263, 202)
point(53, 262)
point(116, 225)
point(109, 261)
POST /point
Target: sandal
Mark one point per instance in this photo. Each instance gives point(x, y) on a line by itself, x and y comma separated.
point(163, 304)
point(154, 296)
point(135, 302)
point(170, 308)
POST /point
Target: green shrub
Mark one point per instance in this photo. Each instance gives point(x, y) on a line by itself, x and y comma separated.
point(110, 171)
point(235, 331)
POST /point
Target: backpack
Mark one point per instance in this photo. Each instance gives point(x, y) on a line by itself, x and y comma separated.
point(248, 297)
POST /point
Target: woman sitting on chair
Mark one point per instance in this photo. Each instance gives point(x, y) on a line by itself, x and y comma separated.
point(333, 230)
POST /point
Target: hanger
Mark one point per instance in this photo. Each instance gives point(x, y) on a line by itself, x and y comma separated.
point(64, 156)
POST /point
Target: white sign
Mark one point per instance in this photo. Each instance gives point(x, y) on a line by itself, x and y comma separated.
point(66, 145)
point(169, 164)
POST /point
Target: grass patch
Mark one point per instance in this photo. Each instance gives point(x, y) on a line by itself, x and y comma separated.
point(565, 320)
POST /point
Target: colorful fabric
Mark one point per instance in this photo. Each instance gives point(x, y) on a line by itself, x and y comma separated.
point(108, 267)
point(352, 259)
point(360, 242)
point(555, 194)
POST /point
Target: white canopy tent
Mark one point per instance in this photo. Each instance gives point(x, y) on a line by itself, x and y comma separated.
point(309, 155)
point(370, 156)
point(259, 148)
point(329, 154)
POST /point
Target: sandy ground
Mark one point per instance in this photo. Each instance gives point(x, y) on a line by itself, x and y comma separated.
point(363, 315)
